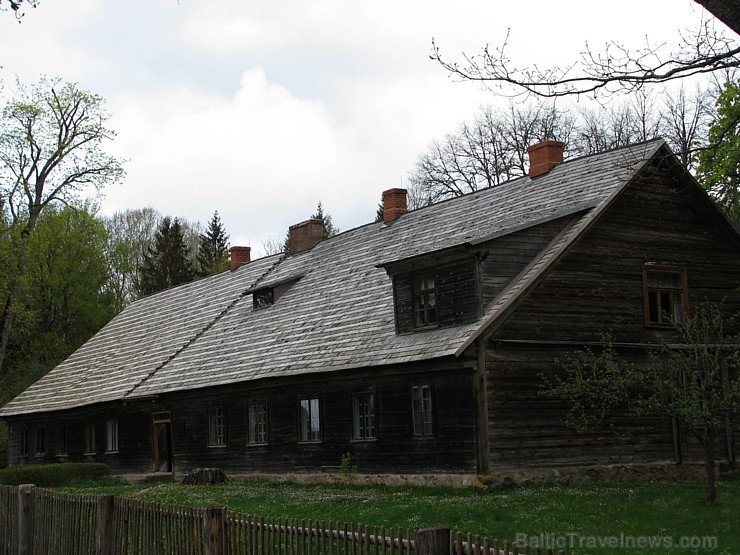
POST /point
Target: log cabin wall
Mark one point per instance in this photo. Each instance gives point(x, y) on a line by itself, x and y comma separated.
point(449, 448)
point(133, 431)
point(598, 287)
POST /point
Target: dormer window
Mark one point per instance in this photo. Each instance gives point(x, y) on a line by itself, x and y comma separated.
point(262, 298)
point(425, 300)
point(447, 295)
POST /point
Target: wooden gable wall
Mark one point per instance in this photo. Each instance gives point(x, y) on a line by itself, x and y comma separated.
point(598, 287)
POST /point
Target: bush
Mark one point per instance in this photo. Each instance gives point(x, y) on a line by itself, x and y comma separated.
point(53, 475)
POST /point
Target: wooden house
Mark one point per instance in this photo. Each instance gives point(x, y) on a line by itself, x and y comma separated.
point(416, 344)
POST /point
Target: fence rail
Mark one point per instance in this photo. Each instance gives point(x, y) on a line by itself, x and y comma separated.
point(39, 521)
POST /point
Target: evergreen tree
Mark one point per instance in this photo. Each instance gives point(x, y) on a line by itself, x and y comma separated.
point(213, 250)
point(167, 261)
point(329, 229)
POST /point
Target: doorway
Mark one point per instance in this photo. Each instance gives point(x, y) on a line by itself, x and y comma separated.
point(162, 441)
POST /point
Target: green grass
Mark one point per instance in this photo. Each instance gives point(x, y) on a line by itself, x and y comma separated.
point(579, 515)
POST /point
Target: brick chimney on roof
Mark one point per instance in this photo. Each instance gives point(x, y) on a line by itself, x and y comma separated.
point(544, 156)
point(394, 204)
point(305, 235)
point(239, 257)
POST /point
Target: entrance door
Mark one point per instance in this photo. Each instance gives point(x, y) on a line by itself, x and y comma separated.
point(162, 441)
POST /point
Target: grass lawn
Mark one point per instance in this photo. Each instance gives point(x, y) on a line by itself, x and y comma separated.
point(580, 518)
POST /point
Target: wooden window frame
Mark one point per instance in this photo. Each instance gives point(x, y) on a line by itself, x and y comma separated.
point(422, 411)
point(111, 435)
point(217, 426)
point(306, 431)
point(62, 443)
point(661, 293)
point(91, 446)
point(364, 416)
point(39, 443)
point(24, 436)
point(257, 422)
point(426, 312)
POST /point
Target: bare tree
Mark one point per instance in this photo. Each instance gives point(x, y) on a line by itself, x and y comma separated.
point(603, 127)
point(685, 122)
point(15, 6)
point(51, 148)
point(491, 150)
point(618, 68)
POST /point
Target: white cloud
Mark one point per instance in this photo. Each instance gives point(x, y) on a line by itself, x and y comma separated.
point(260, 109)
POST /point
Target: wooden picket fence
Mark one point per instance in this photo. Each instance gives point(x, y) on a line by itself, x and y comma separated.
point(39, 521)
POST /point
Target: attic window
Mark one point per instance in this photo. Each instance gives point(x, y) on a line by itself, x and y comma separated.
point(443, 296)
point(425, 300)
point(262, 298)
point(665, 295)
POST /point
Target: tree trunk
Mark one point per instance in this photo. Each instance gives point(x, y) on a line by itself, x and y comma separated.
point(14, 295)
point(7, 319)
point(711, 485)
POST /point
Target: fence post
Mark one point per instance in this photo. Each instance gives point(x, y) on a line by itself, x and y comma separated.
point(214, 530)
point(432, 541)
point(104, 525)
point(25, 519)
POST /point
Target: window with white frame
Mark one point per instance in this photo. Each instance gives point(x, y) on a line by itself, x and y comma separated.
point(90, 447)
point(257, 415)
point(421, 410)
point(363, 416)
point(216, 427)
point(310, 420)
point(111, 436)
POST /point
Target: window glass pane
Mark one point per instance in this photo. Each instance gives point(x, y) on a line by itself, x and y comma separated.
point(111, 429)
point(421, 407)
point(62, 441)
point(363, 415)
point(664, 280)
point(40, 441)
point(310, 424)
point(90, 439)
point(677, 308)
point(23, 442)
point(217, 426)
point(258, 422)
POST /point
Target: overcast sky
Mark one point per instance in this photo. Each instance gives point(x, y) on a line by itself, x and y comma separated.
point(260, 109)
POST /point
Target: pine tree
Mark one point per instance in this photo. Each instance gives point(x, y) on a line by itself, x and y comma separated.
point(166, 262)
point(329, 229)
point(213, 251)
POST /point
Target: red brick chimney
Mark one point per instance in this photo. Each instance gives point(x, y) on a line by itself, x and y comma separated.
point(305, 235)
point(394, 204)
point(544, 156)
point(239, 257)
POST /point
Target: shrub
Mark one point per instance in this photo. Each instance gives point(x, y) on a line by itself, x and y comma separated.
point(53, 475)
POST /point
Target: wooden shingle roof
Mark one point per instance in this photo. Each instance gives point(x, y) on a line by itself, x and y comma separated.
point(337, 312)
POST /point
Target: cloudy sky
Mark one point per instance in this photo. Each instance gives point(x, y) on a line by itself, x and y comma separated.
point(260, 109)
